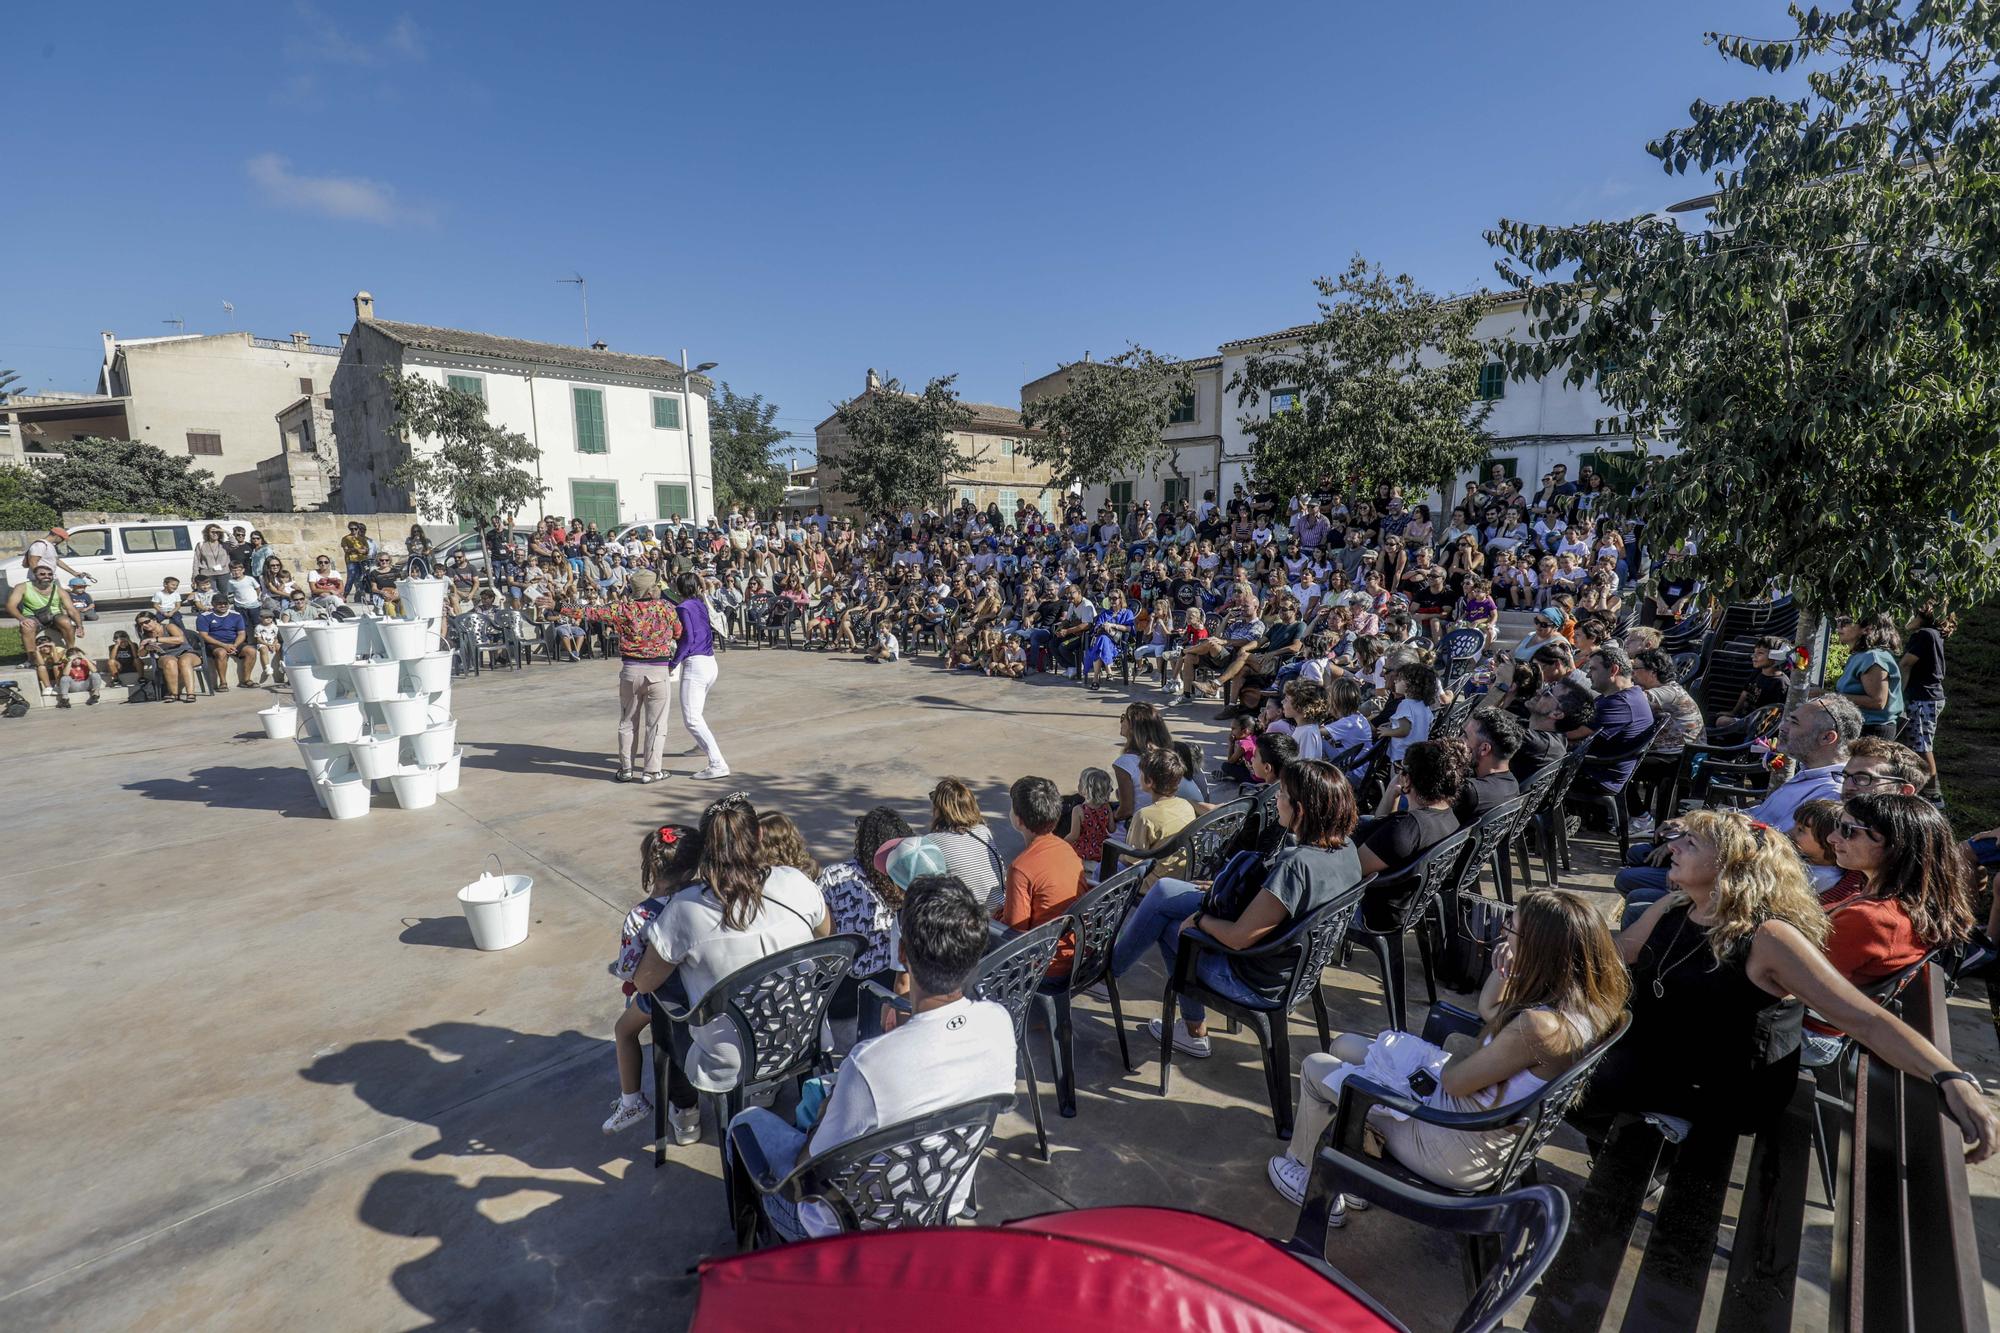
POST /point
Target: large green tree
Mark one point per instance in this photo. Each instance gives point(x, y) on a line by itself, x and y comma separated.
point(472, 468)
point(742, 432)
point(1105, 423)
point(18, 506)
point(1825, 353)
point(1384, 388)
point(900, 446)
point(123, 476)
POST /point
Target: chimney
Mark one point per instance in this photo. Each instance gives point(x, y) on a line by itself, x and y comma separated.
point(600, 346)
point(874, 380)
point(343, 340)
point(364, 306)
point(300, 339)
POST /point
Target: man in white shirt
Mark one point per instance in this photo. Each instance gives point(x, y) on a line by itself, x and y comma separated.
point(950, 1050)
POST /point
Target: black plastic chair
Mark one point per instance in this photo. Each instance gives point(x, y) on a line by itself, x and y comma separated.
point(1610, 801)
point(1010, 975)
point(903, 1175)
point(777, 1004)
point(1311, 943)
point(1204, 840)
point(1428, 876)
point(1486, 843)
point(1094, 921)
point(1526, 1227)
point(1456, 648)
point(1514, 841)
point(1534, 1116)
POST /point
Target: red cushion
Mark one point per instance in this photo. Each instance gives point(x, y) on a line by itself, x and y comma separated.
point(1151, 1268)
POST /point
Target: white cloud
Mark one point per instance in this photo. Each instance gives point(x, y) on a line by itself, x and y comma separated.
point(349, 198)
point(324, 39)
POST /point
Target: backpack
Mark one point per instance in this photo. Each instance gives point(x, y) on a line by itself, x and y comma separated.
point(1240, 879)
point(1476, 925)
point(145, 691)
point(12, 702)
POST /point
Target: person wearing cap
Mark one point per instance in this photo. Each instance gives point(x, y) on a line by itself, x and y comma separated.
point(1548, 629)
point(648, 630)
point(44, 551)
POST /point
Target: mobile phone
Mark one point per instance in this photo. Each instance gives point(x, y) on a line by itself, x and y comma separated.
point(1423, 1083)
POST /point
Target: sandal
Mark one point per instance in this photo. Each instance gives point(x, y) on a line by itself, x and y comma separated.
point(624, 775)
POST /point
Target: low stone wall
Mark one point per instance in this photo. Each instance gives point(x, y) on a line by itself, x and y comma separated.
point(298, 537)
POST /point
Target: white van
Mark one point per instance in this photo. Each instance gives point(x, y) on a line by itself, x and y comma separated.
point(128, 560)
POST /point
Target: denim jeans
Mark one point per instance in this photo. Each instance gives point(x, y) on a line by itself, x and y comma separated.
point(1638, 882)
point(1156, 921)
point(780, 1141)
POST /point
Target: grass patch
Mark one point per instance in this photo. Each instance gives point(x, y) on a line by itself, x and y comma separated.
point(1968, 743)
point(11, 647)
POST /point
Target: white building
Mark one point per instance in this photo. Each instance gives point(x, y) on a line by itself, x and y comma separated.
point(1534, 424)
point(618, 436)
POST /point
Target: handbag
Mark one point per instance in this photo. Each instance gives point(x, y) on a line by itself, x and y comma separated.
point(1475, 925)
point(1240, 879)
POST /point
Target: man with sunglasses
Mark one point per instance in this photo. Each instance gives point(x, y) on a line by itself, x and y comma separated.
point(1818, 734)
point(1552, 711)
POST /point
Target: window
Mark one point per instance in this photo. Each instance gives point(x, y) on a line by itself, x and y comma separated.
point(966, 495)
point(666, 412)
point(1622, 470)
point(595, 502)
point(472, 384)
point(1120, 497)
point(1182, 411)
point(1006, 448)
point(588, 405)
point(1007, 500)
point(305, 384)
point(672, 499)
point(1178, 489)
point(204, 442)
point(144, 541)
point(88, 542)
point(1284, 400)
point(1492, 381)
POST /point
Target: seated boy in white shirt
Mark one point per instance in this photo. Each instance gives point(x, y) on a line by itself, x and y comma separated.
point(950, 1050)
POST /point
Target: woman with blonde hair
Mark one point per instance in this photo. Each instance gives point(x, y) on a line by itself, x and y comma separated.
point(1722, 968)
point(1556, 988)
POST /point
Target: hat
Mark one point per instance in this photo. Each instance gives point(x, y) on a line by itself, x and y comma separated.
point(906, 860)
point(643, 582)
point(1555, 615)
point(60, 534)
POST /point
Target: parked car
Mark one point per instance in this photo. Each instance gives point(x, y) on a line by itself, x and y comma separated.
point(474, 546)
point(127, 560)
point(661, 528)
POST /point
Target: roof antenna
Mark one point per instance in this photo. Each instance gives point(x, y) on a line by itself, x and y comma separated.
point(180, 325)
point(583, 290)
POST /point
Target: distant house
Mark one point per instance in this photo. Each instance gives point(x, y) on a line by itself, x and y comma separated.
point(619, 436)
point(1000, 473)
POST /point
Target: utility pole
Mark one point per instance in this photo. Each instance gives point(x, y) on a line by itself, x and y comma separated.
point(583, 290)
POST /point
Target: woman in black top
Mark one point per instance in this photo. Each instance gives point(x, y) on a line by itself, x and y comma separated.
point(1721, 967)
point(1923, 683)
point(1430, 775)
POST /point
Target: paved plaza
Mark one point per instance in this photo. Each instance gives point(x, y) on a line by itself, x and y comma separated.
point(257, 1075)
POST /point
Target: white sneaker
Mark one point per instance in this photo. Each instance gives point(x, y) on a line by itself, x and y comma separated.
point(712, 771)
point(684, 1126)
point(1642, 826)
point(1290, 1179)
point(1183, 1042)
point(625, 1114)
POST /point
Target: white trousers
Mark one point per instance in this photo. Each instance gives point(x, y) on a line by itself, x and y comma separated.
point(697, 677)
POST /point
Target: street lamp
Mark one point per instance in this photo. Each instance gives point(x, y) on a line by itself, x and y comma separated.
point(687, 425)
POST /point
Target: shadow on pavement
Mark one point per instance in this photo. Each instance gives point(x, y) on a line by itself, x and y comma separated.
point(222, 787)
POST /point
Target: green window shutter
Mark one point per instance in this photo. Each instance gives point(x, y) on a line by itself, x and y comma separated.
point(472, 384)
point(589, 405)
point(672, 500)
point(1492, 381)
point(666, 412)
point(595, 502)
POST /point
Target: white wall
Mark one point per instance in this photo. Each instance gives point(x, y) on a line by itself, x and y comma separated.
point(638, 457)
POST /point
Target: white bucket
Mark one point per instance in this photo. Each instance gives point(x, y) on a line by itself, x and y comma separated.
point(321, 758)
point(415, 788)
point(292, 637)
point(281, 721)
point(345, 800)
point(309, 686)
point(421, 598)
point(333, 641)
point(429, 673)
point(375, 681)
point(375, 759)
point(402, 714)
point(400, 639)
point(433, 745)
point(496, 908)
point(338, 723)
point(448, 772)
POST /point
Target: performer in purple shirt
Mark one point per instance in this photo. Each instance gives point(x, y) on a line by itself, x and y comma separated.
point(694, 654)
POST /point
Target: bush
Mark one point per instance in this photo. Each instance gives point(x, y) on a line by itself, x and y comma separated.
point(19, 507)
point(121, 476)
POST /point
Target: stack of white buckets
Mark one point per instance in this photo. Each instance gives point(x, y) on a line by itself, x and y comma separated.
point(373, 699)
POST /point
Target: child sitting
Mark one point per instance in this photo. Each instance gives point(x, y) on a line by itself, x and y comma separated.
point(887, 649)
point(779, 843)
point(270, 655)
point(669, 860)
point(1242, 748)
point(1348, 732)
point(1090, 820)
point(77, 674)
point(1013, 660)
point(122, 656)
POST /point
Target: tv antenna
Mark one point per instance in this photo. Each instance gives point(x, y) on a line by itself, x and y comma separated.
point(180, 325)
point(583, 290)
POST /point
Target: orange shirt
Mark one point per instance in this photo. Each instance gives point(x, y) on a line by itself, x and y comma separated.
point(1872, 938)
point(1041, 884)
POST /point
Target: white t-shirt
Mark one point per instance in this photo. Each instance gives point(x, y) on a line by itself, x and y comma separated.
point(955, 1053)
point(1420, 727)
point(689, 934)
point(166, 603)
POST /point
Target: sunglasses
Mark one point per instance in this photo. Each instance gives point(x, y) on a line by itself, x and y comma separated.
point(1850, 830)
point(1867, 779)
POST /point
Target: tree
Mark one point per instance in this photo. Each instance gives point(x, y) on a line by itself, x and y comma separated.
point(474, 469)
point(901, 446)
point(741, 437)
point(1385, 388)
point(1826, 354)
point(19, 509)
point(124, 476)
point(8, 379)
point(1106, 422)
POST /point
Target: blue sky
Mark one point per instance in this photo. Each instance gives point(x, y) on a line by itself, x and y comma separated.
point(800, 191)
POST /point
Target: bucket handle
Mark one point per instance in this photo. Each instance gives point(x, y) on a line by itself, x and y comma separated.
point(494, 857)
